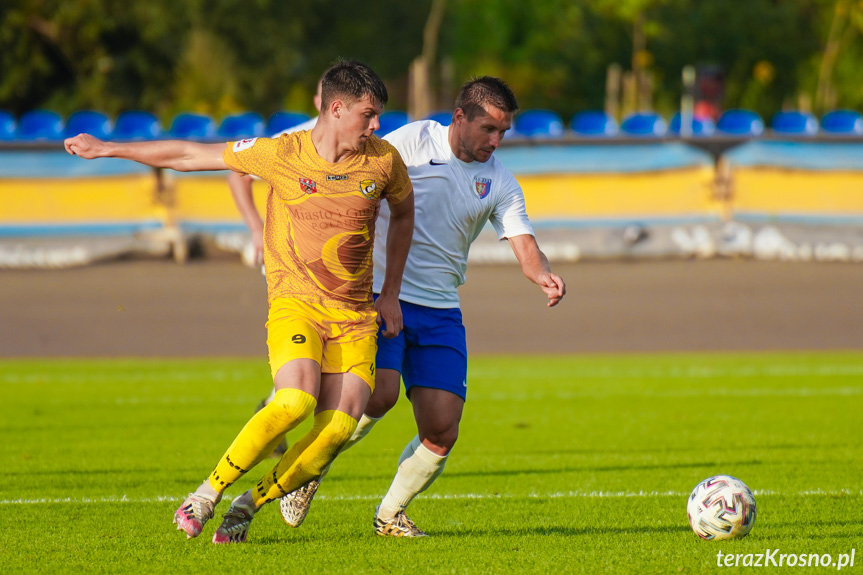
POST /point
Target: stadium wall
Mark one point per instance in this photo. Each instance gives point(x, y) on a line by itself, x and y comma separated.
point(659, 199)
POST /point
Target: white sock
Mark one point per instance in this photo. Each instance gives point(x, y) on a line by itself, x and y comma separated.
point(270, 397)
point(246, 500)
point(410, 449)
point(363, 428)
point(417, 471)
point(206, 491)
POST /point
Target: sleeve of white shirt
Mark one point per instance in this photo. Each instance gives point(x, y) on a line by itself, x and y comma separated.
point(307, 125)
point(407, 140)
point(509, 217)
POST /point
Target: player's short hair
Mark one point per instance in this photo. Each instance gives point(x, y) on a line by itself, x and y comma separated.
point(485, 91)
point(351, 81)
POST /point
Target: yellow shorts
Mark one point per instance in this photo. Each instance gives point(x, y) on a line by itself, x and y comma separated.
point(340, 340)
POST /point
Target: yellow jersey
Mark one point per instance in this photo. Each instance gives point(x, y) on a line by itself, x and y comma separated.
point(319, 227)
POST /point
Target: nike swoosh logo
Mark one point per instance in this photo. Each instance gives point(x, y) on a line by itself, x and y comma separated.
point(433, 163)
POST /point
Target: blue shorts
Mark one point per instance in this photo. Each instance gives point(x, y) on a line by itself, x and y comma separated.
point(431, 350)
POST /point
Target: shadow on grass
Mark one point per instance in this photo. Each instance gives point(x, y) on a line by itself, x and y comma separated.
point(601, 468)
point(192, 473)
point(607, 452)
point(509, 471)
point(295, 538)
point(566, 531)
point(790, 530)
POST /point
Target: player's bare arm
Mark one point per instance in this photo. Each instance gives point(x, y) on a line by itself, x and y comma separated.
point(535, 267)
point(176, 155)
point(399, 236)
point(241, 190)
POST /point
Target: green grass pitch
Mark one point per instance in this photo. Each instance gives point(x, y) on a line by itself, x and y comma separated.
point(564, 465)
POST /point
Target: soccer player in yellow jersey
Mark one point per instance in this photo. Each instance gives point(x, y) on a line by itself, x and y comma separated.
point(326, 186)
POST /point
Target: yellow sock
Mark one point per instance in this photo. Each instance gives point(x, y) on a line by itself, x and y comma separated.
point(308, 457)
point(261, 435)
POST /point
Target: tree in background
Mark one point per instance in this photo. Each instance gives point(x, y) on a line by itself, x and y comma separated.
point(98, 54)
point(553, 53)
point(759, 45)
point(225, 56)
point(216, 57)
point(637, 83)
point(423, 90)
point(842, 39)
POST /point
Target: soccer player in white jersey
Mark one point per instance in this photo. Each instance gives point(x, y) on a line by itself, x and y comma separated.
point(458, 187)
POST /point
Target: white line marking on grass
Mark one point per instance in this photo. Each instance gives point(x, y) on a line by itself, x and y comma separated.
point(681, 393)
point(684, 372)
point(226, 399)
point(445, 497)
point(125, 376)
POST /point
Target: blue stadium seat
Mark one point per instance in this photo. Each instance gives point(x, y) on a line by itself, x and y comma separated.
point(239, 126)
point(391, 121)
point(88, 122)
point(442, 118)
point(137, 125)
point(644, 125)
point(189, 126)
point(40, 125)
point(700, 126)
point(842, 122)
point(284, 120)
point(7, 126)
point(593, 123)
point(794, 123)
point(539, 124)
point(740, 123)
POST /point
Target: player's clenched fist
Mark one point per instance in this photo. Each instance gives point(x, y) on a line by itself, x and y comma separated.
point(86, 146)
point(553, 286)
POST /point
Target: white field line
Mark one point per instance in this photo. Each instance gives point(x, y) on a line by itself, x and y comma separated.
point(445, 497)
point(557, 394)
point(124, 376)
point(687, 372)
point(682, 372)
point(691, 392)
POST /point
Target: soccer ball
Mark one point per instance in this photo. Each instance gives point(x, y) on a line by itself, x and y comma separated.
point(721, 507)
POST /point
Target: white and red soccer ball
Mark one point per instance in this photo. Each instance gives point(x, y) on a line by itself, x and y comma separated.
point(721, 507)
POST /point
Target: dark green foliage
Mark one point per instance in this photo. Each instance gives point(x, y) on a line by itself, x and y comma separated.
point(230, 55)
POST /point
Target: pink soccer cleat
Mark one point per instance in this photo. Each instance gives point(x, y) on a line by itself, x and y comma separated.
point(193, 514)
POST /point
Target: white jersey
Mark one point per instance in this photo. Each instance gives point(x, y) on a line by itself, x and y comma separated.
point(307, 125)
point(454, 200)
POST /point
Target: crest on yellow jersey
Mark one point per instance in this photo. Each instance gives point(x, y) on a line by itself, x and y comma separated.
point(308, 186)
point(369, 189)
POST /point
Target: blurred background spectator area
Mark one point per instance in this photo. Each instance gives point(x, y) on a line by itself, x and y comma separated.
point(644, 124)
point(49, 126)
point(564, 57)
